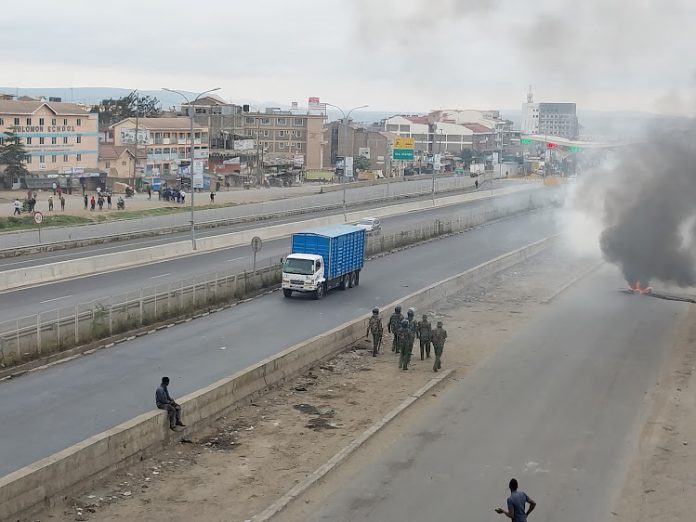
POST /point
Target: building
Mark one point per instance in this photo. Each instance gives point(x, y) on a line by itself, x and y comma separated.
point(167, 144)
point(278, 136)
point(370, 143)
point(58, 137)
point(117, 161)
point(549, 119)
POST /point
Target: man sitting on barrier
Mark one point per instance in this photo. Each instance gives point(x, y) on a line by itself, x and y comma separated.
point(165, 402)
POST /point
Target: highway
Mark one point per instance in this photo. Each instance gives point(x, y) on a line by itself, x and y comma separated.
point(26, 302)
point(559, 408)
point(49, 410)
point(356, 195)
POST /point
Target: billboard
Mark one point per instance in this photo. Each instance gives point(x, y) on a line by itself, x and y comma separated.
point(244, 145)
point(349, 166)
point(128, 136)
point(364, 152)
point(314, 106)
point(402, 142)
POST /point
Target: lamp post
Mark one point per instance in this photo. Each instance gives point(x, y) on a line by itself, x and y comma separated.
point(192, 113)
point(345, 124)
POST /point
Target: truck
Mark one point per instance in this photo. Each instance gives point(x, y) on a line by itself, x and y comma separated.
point(323, 259)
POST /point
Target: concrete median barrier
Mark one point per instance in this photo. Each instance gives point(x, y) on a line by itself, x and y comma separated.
point(41, 274)
point(66, 472)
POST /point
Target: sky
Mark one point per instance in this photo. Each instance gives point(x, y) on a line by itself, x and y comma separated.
point(406, 55)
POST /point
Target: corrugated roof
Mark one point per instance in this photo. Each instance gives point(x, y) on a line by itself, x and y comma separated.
point(30, 107)
point(179, 123)
point(478, 128)
point(332, 230)
point(109, 151)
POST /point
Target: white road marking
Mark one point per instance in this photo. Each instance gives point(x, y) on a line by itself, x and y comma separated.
point(235, 259)
point(223, 347)
point(161, 275)
point(56, 299)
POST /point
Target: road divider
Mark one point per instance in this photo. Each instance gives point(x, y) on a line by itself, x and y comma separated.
point(75, 468)
point(42, 274)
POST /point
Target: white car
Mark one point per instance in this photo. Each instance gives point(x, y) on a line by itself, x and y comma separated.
point(370, 224)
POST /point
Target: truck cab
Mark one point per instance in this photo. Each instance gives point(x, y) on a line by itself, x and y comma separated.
point(303, 273)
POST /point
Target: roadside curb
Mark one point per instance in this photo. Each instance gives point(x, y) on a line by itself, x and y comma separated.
point(280, 504)
point(572, 282)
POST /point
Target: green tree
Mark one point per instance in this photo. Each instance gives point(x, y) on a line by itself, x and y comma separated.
point(466, 155)
point(361, 163)
point(12, 156)
point(114, 110)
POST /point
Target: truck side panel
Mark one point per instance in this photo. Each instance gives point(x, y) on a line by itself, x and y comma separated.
point(342, 253)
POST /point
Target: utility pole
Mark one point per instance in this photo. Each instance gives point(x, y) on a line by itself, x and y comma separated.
point(135, 140)
point(192, 113)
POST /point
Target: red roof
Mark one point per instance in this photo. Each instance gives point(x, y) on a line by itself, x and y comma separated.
point(478, 128)
point(418, 119)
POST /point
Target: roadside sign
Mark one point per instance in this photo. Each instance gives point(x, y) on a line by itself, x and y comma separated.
point(38, 218)
point(256, 243)
point(402, 142)
point(402, 154)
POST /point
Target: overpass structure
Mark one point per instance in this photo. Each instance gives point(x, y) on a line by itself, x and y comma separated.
point(573, 145)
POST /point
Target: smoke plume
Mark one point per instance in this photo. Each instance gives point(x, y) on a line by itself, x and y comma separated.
point(649, 207)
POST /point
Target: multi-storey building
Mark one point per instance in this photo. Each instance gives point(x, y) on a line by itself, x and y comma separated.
point(549, 119)
point(58, 137)
point(167, 144)
point(373, 144)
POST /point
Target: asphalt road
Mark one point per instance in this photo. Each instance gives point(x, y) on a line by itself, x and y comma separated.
point(558, 408)
point(49, 410)
point(29, 301)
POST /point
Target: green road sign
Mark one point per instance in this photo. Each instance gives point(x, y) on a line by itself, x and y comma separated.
point(525, 141)
point(402, 154)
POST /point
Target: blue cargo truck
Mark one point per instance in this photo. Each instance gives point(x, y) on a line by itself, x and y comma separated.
point(324, 258)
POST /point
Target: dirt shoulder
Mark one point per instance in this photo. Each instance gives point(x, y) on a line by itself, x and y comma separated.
point(661, 483)
point(246, 461)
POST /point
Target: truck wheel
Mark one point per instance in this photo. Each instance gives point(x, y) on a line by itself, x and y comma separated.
point(357, 278)
point(351, 280)
point(319, 292)
point(344, 283)
point(287, 292)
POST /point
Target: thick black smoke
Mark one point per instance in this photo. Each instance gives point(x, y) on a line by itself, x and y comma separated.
point(650, 209)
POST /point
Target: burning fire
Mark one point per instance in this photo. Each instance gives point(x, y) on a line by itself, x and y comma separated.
point(636, 288)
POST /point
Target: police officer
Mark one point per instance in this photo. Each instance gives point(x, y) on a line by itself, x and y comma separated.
point(403, 343)
point(438, 337)
point(375, 326)
point(393, 326)
point(424, 330)
point(412, 327)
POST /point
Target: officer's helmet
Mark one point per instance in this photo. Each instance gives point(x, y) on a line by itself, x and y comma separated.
point(404, 323)
point(375, 311)
point(397, 309)
point(439, 323)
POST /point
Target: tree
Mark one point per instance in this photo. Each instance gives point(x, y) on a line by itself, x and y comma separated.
point(466, 155)
point(361, 163)
point(12, 156)
point(114, 110)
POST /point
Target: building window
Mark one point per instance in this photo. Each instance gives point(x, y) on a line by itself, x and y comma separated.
point(54, 159)
point(266, 133)
point(282, 121)
point(65, 121)
point(265, 121)
point(79, 139)
point(107, 164)
point(79, 157)
point(65, 158)
point(28, 159)
point(79, 122)
point(123, 163)
point(42, 160)
point(280, 145)
point(298, 122)
point(41, 121)
point(54, 140)
point(42, 141)
point(65, 140)
point(2, 122)
point(28, 141)
point(16, 122)
point(53, 121)
point(250, 121)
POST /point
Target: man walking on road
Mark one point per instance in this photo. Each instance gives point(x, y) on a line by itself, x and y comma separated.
point(412, 327)
point(17, 208)
point(404, 345)
point(393, 326)
point(165, 402)
point(424, 330)
point(438, 336)
point(516, 504)
point(375, 326)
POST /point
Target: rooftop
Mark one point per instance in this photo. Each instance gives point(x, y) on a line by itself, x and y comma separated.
point(332, 230)
point(178, 123)
point(30, 107)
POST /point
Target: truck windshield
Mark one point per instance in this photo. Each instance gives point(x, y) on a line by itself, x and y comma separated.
point(298, 266)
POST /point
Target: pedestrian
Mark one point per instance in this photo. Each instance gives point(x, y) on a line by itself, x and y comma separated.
point(183, 196)
point(424, 330)
point(165, 402)
point(516, 504)
point(212, 198)
point(375, 326)
point(404, 345)
point(149, 192)
point(178, 196)
point(412, 327)
point(50, 203)
point(86, 200)
point(32, 203)
point(108, 201)
point(54, 187)
point(17, 208)
point(100, 202)
point(476, 183)
point(438, 337)
point(59, 191)
point(393, 326)
point(62, 203)
point(92, 203)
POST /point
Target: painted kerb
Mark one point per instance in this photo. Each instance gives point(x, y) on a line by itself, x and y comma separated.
point(34, 486)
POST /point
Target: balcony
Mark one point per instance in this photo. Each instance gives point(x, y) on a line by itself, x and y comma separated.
point(166, 141)
point(197, 141)
point(182, 141)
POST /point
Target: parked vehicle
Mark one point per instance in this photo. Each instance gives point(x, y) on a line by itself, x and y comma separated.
point(324, 258)
point(370, 224)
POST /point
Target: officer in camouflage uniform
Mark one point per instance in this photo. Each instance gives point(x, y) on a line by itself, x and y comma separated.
point(375, 326)
point(412, 327)
point(403, 345)
point(438, 337)
point(424, 330)
point(393, 326)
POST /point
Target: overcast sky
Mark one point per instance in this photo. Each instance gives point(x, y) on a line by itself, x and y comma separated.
point(391, 54)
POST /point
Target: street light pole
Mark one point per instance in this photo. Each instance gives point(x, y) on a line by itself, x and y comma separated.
point(192, 113)
point(345, 126)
